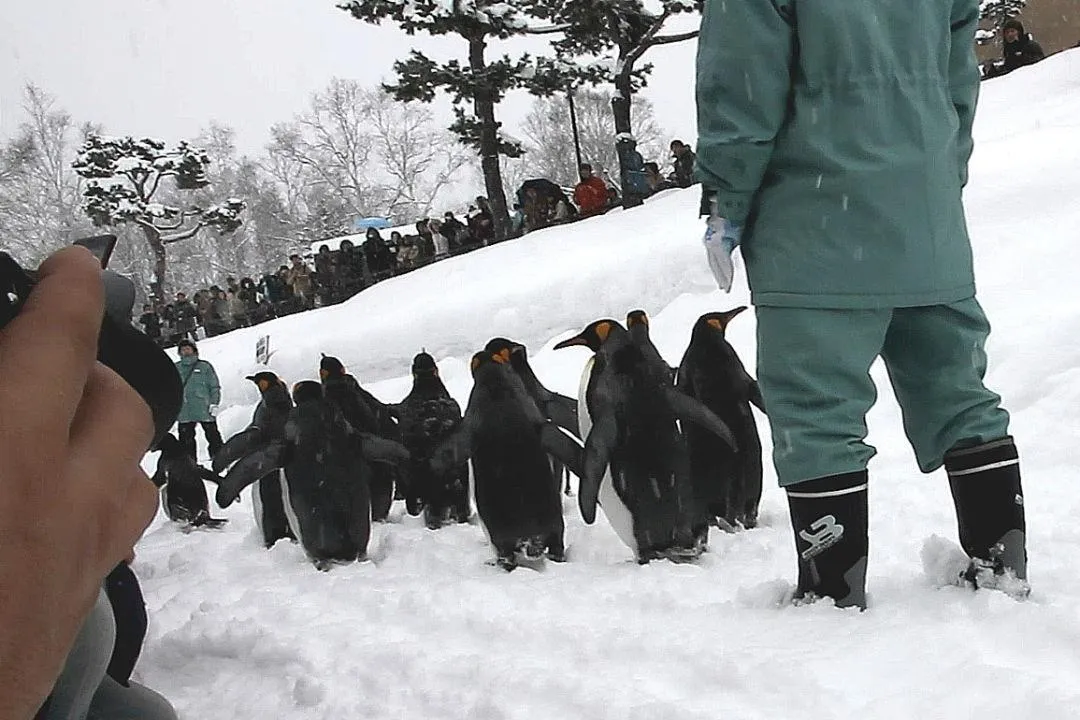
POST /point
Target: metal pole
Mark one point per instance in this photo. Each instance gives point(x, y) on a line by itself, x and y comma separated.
point(573, 123)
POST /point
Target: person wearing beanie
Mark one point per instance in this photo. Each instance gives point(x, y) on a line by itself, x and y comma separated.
point(1019, 49)
point(202, 394)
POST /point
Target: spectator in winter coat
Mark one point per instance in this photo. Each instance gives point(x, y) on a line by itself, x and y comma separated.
point(237, 309)
point(202, 395)
point(1019, 49)
point(151, 323)
point(299, 279)
point(249, 295)
point(814, 175)
point(684, 164)
point(591, 194)
point(455, 231)
point(326, 276)
point(481, 223)
point(380, 259)
point(441, 243)
point(186, 316)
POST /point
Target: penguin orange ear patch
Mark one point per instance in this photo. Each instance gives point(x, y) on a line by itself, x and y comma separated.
point(324, 374)
point(505, 355)
point(474, 364)
point(715, 323)
point(263, 385)
point(500, 358)
point(603, 330)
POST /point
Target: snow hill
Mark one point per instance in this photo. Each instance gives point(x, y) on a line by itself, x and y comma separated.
point(429, 630)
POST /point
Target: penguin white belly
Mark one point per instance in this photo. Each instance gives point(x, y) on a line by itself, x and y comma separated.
point(257, 506)
point(286, 501)
point(618, 515)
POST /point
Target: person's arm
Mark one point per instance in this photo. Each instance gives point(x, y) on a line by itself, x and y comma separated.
point(1033, 53)
point(964, 77)
point(215, 385)
point(744, 58)
point(73, 500)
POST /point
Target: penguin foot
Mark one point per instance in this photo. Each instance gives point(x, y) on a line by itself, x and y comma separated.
point(506, 563)
point(558, 556)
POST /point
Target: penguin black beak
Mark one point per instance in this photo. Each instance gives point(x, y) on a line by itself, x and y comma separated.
point(251, 378)
point(570, 342)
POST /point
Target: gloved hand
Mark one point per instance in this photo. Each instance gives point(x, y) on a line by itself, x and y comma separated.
point(213, 410)
point(721, 238)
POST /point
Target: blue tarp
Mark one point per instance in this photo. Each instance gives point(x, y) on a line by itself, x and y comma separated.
point(379, 223)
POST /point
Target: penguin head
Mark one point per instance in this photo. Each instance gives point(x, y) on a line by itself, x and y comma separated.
point(423, 365)
point(716, 322)
point(636, 318)
point(594, 335)
point(307, 391)
point(330, 366)
point(510, 351)
point(265, 380)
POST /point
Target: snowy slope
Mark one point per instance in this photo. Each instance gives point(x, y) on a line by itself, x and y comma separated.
point(430, 630)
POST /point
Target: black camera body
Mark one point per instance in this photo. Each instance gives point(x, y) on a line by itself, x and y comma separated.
point(122, 347)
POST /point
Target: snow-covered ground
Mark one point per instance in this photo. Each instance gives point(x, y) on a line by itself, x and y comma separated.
point(430, 630)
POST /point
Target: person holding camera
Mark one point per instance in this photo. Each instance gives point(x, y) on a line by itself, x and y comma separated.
point(202, 393)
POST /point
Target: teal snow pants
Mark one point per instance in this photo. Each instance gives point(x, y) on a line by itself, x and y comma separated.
point(813, 368)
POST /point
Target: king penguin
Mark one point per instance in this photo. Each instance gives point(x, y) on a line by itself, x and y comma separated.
point(508, 440)
point(727, 484)
point(635, 460)
point(252, 446)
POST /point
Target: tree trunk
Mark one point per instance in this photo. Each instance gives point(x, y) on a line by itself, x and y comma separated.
point(157, 282)
point(624, 148)
point(484, 107)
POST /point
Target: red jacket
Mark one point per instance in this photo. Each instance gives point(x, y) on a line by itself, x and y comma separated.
point(591, 195)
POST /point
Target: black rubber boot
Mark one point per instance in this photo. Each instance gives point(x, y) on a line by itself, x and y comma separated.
point(829, 517)
point(985, 484)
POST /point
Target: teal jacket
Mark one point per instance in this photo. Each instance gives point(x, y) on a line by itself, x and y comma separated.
point(838, 132)
point(201, 389)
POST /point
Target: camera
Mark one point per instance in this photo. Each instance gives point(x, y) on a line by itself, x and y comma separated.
point(121, 347)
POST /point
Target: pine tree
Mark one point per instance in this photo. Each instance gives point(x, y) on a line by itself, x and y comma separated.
point(125, 176)
point(994, 13)
point(619, 33)
point(481, 81)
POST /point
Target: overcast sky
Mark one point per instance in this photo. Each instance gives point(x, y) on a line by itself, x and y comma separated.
point(167, 67)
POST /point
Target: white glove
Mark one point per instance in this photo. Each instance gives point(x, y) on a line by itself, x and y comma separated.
point(213, 410)
point(721, 238)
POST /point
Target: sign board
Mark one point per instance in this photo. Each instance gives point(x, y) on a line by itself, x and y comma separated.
point(262, 350)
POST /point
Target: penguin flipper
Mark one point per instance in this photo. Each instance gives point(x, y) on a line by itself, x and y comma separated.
point(381, 450)
point(250, 469)
point(209, 476)
point(562, 411)
point(755, 396)
point(240, 445)
point(690, 410)
point(598, 447)
point(563, 447)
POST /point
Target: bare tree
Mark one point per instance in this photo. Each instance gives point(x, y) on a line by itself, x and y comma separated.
point(358, 152)
point(39, 192)
point(550, 142)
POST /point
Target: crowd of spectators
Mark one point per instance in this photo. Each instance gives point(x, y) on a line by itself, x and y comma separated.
point(332, 275)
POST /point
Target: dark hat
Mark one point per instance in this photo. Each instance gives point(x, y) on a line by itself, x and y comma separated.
point(185, 342)
point(423, 363)
point(331, 365)
point(1013, 24)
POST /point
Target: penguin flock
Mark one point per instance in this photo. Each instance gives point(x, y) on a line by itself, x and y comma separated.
point(665, 453)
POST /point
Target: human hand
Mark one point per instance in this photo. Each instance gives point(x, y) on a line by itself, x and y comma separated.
point(212, 410)
point(73, 499)
point(721, 238)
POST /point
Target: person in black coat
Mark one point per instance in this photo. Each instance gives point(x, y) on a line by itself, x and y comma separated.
point(1019, 50)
